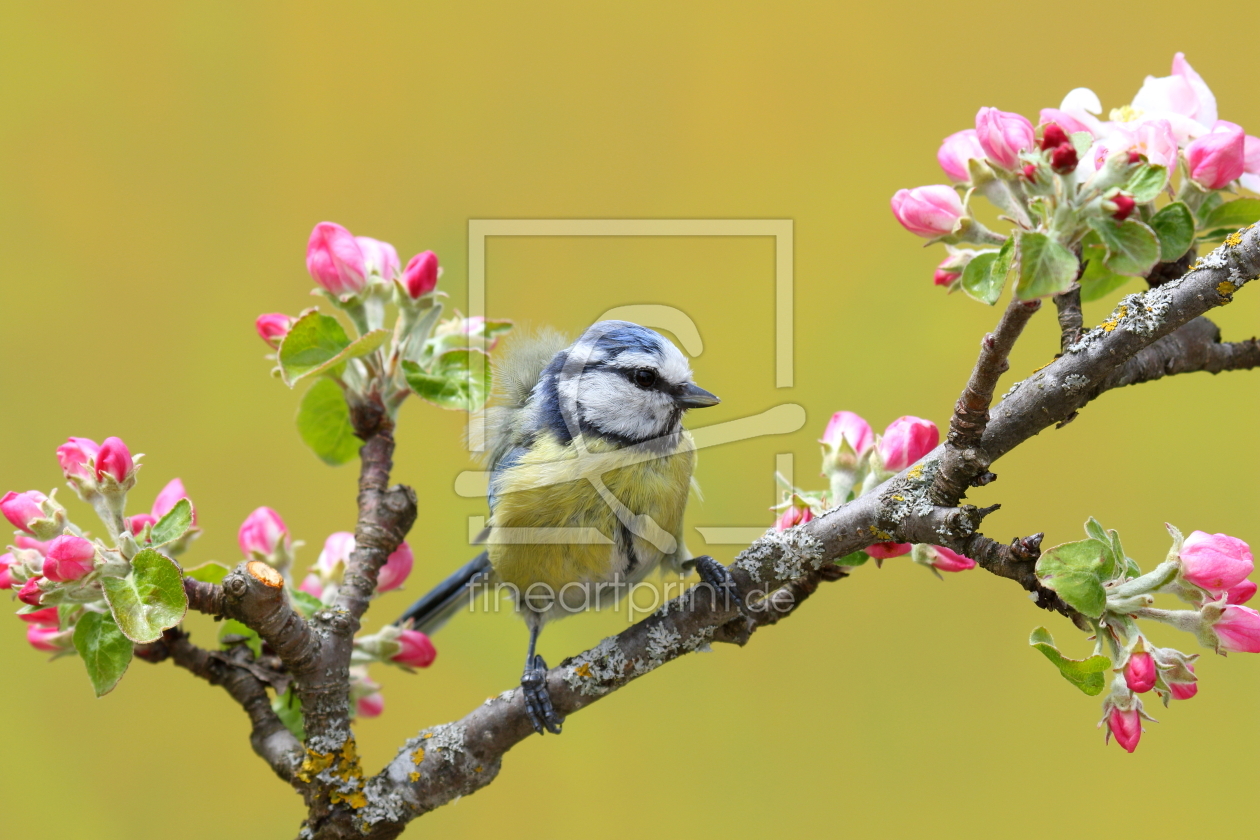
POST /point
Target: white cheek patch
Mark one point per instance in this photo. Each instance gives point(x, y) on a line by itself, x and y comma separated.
point(613, 405)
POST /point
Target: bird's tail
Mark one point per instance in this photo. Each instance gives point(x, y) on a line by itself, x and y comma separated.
point(443, 601)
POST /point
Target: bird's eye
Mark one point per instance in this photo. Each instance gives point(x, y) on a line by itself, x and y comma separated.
point(644, 378)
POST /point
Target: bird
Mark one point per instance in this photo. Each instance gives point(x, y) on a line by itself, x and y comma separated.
point(583, 437)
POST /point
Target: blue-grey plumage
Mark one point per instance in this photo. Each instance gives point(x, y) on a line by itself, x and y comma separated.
point(590, 469)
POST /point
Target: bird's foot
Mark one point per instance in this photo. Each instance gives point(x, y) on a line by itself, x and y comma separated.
point(537, 701)
point(720, 583)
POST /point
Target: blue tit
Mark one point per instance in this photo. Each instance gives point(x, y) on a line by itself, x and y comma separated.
point(590, 469)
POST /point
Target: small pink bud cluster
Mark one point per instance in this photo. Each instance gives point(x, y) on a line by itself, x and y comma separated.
point(264, 536)
point(906, 440)
point(92, 469)
point(793, 516)
point(24, 510)
point(343, 265)
point(1218, 563)
point(847, 438)
point(165, 502)
point(326, 574)
point(417, 650)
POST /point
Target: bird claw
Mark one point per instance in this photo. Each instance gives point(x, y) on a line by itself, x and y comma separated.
point(542, 715)
point(720, 582)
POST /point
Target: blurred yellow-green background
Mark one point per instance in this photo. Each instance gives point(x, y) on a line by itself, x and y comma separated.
point(161, 165)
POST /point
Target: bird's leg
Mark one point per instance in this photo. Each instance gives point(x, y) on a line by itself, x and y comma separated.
point(719, 581)
point(534, 686)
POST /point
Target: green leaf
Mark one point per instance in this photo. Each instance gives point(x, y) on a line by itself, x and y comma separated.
point(305, 603)
point(288, 707)
point(1095, 531)
point(174, 525)
point(449, 383)
point(1174, 225)
point(857, 558)
point(1132, 247)
point(985, 275)
point(232, 627)
point(1086, 674)
point(208, 572)
point(1046, 267)
point(318, 344)
point(1208, 205)
point(105, 651)
point(149, 599)
point(1234, 214)
point(1146, 182)
point(1074, 570)
point(323, 421)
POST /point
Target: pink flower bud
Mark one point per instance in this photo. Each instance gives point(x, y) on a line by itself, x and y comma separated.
point(135, 524)
point(76, 456)
point(417, 651)
point(955, 152)
point(928, 211)
point(313, 586)
point(45, 638)
point(1217, 158)
point(114, 458)
point(1184, 690)
point(945, 276)
point(262, 532)
point(906, 440)
point(950, 561)
point(1139, 673)
point(371, 705)
point(23, 508)
point(421, 274)
point(335, 260)
point(30, 593)
point(396, 569)
point(6, 576)
point(1215, 561)
point(1238, 629)
point(336, 550)
point(1124, 206)
point(1064, 159)
point(168, 497)
point(1030, 173)
point(23, 541)
point(69, 558)
point(1240, 593)
point(1126, 726)
point(46, 616)
point(846, 425)
point(888, 550)
point(792, 517)
point(1053, 136)
point(378, 256)
point(273, 327)
point(1003, 136)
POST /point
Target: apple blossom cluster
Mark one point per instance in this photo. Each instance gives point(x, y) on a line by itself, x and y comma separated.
point(1209, 572)
point(856, 460)
point(98, 597)
point(1091, 201)
point(443, 362)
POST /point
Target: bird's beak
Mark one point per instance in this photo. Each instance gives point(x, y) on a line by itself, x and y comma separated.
point(693, 396)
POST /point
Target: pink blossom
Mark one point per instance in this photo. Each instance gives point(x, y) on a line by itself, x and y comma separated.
point(46, 638)
point(262, 532)
point(955, 152)
point(46, 616)
point(396, 569)
point(944, 276)
point(1251, 164)
point(1077, 112)
point(69, 558)
point(950, 561)
point(30, 593)
point(1064, 120)
point(1182, 98)
point(23, 541)
point(336, 550)
point(22, 509)
point(846, 425)
point(371, 705)
point(928, 211)
point(1217, 158)
point(417, 651)
point(421, 274)
point(1184, 690)
point(1126, 726)
point(906, 440)
point(1240, 593)
point(135, 524)
point(792, 517)
point(378, 256)
point(313, 586)
point(168, 497)
point(888, 550)
point(6, 576)
point(76, 456)
point(1003, 135)
point(1215, 561)
point(1139, 673)
point(335, 260)
point(114, 458)
point(273, 327)
point(1238, 629)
